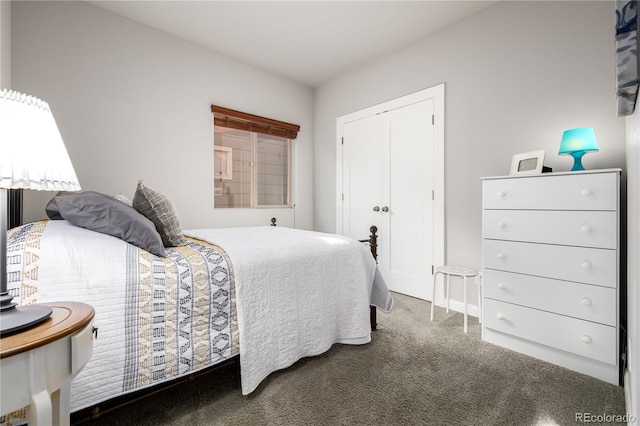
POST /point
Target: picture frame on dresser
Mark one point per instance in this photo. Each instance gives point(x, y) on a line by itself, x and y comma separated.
point(527, 163)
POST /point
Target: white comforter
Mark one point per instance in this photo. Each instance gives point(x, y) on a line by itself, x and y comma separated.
point(298, 293)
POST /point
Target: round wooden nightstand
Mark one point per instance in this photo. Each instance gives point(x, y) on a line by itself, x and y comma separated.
point(37, 364)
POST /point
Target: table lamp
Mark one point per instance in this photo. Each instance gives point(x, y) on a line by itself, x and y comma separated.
point(576, 142)
point(32, 156)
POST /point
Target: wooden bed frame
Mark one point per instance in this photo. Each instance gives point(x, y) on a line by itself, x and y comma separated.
point(87, 415)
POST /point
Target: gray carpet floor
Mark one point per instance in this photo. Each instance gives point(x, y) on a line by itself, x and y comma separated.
point(414, 372)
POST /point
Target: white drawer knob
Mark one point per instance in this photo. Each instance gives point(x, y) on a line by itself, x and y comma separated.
point(586, 265)
point(586, 192)
point(587, 339)
point(501, 286)
point(501, 317)
point(501, 194)
point(502, 225)
point(501, 255)
point(586, 228)
point(586, 301)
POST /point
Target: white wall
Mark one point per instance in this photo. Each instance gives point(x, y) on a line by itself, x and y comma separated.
point(516, 76)
point(134, 103)
point(5, 45)
point(632, 379)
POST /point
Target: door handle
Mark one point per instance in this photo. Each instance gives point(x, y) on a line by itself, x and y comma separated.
point(385, 209)
point(376, 208)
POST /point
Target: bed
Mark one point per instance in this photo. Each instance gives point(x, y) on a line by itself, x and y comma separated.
point(266, 295)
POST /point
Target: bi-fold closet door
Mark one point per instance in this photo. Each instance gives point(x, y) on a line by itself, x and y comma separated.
point(388, 181)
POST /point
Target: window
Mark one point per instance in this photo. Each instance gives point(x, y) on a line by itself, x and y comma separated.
point(252, 160)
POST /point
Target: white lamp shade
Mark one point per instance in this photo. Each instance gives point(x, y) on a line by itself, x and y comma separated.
point(32, 153)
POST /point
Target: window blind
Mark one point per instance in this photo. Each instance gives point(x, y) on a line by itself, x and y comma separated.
point(233, 119)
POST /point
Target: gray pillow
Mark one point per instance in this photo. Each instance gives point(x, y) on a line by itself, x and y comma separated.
point(102, 213)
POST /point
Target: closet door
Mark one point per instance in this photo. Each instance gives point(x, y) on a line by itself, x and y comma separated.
point(362, 178)
point(387, 182)
point(406, 236)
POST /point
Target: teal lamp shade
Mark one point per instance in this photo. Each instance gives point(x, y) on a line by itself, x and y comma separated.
point(576, 142)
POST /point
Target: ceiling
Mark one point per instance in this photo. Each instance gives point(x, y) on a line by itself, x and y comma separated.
point(306, 41)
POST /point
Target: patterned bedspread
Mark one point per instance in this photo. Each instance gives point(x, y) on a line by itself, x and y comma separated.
point(158, 318)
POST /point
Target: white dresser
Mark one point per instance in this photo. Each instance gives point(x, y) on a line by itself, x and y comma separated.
point(550, 268)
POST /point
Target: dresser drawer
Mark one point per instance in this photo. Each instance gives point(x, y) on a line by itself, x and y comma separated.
point(584, 265)
point(578, 228)
point(585, 338)
point(594, 191)
point(583, 301)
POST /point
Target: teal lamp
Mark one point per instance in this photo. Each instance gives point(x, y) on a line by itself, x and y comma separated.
point(576, 142)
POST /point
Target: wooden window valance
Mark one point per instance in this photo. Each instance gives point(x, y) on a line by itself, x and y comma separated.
point(226, 117)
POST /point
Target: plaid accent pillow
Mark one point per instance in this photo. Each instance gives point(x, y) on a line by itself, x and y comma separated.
point(157, 208)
